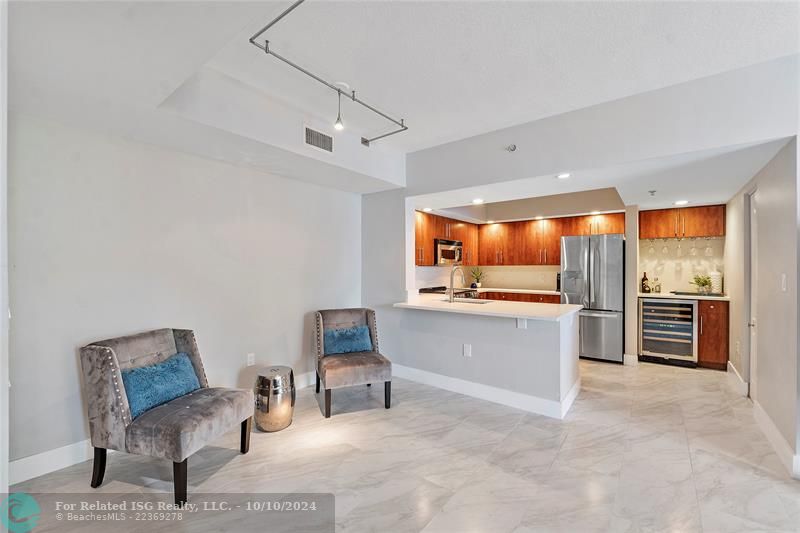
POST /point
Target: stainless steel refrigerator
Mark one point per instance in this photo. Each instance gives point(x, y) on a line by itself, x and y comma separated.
point(593, 275)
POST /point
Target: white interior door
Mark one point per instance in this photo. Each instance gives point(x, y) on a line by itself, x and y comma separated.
point(753, 307)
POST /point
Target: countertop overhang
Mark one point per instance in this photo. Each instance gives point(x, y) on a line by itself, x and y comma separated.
point(519, 291)
point(492, 308)
point(668, 296)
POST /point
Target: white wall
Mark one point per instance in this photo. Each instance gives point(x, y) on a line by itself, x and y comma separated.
point(631, 284)
point(3, 249)
point(777, 311)
point(109, 237)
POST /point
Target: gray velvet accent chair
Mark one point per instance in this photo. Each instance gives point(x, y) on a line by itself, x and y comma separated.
point(350, 369)
point(174, 430)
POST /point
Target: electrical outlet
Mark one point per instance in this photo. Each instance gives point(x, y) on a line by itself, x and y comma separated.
point(251, 359)
point(467, 350)
point(738, 348)
point(784, 286)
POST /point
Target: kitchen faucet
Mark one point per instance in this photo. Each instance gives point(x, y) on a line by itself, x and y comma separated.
point(456, 266)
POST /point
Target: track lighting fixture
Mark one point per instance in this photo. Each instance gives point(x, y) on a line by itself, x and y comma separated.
point(339, 125)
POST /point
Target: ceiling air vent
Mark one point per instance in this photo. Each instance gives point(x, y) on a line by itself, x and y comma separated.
point(319, 140)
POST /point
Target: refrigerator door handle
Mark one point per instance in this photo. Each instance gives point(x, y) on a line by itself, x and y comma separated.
point(598, 315)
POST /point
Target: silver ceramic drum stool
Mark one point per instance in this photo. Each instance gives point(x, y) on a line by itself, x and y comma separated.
point(275, 396)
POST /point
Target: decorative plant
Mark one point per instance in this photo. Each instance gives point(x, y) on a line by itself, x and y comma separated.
point(702, 282)
point(478, 274)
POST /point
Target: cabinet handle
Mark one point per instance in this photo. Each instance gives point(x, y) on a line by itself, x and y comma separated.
point(676, 224)
point(701, 324)
point(683, 222)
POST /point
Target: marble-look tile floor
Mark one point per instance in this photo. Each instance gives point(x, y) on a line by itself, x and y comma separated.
point(644, 448)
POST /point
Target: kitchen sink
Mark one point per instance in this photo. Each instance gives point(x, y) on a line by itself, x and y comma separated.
point(467, 301)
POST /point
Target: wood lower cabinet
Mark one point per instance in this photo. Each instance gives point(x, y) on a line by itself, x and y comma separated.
point(712, 332)
point(521, 297)
point(705, 221)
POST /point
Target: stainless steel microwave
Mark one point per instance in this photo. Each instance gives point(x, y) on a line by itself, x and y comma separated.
point(447, 252)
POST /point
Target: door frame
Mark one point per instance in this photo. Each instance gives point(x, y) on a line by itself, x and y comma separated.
point(749, 351)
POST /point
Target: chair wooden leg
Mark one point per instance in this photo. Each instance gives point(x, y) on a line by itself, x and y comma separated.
point(247, 428)
point(99, 467)
point(327, 403)
point(387, 393)
point(179, 479)
point(317, 382)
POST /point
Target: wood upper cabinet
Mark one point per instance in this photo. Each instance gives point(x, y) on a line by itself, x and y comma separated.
point(493, 240)
point(594, 224)
point(608, 224)
point(658, 224)
point(468, 235)
point(424, 231)
point(429, 227)
point(706, 221)
point(542, 242)
point(712, 332)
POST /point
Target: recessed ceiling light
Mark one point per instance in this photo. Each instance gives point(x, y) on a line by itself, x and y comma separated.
point(595, 213)
point(563, 175)
point(477, 201)
point(682, 202)
point(427, 209)
point(539, 217)
point(490, 221)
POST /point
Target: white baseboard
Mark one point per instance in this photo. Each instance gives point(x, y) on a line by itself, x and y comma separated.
point(49, 461)
point(569, 399)
point(532, 404)
point(304, 380)
point(783, 449)
point(736, 383)
point(78, 452)
point(630, 360)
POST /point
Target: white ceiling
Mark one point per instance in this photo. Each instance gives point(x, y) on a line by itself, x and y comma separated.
point(457, 69)
point(703, 178)
point(451, 69)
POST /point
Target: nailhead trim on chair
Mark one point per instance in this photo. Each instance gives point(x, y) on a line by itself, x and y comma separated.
point(202, 368)
point(125, 415)
point(373, 318)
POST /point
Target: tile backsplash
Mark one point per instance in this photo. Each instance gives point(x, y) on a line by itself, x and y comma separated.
point(498, 277)
point(675, 262)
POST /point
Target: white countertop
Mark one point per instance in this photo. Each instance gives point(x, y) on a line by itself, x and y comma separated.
point(503, 309)
point(683, 296)
point(520, 291)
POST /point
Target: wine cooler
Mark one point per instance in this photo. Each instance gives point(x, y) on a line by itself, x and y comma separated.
point(668, 330)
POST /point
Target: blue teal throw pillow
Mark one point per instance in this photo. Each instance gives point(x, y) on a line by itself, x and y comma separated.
point(151, 386)
point(347, 340)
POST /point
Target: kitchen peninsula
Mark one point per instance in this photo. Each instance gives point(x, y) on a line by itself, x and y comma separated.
point(520, 354)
